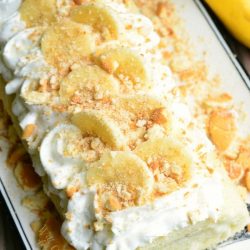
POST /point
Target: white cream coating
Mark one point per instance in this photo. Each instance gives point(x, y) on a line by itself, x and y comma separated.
point(18, 108)
point(19, 45)
point(7, 8)
point(140, 226)
point(26, 62)
point(23, 55)
point(13, 86)
point(81, 211)
point(137, 226)
point(10, 27)
point(60, 168)
point(5, 72)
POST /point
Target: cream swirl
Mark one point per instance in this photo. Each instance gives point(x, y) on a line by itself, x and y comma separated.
point(20, 45)
point(81, 208)
point(57, 162)
point(10, 27)
point(23, 55)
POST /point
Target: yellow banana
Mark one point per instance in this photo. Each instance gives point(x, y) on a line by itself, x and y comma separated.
point(235, 14)
point(35, 13)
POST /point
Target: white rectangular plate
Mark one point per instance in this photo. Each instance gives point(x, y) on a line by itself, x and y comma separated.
point(219, 59)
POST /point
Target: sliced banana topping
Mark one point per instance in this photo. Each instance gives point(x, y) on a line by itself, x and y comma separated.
point(97, 124)
point(36, 13)
point(31, 95)
point(88, 82)
point(169, 161)
point(147, 110)
point(99, 17)
point(65, 43)
point(124, 176)
point(125, 64)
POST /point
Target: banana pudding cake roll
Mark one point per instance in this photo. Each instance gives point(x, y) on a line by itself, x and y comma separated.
point(122, 158)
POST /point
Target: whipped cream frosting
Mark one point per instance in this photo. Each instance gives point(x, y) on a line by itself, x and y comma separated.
point(7, 8)
point(58, 166)
point(138, 226)
point(23, 64)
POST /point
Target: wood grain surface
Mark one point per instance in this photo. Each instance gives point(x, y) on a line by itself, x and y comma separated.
point(9, 237)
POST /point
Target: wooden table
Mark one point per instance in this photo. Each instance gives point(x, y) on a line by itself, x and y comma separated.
point(9, 237)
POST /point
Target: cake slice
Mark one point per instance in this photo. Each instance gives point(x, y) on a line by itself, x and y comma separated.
point(122, 158)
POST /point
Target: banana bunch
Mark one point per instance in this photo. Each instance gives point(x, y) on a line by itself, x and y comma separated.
point(235, 14)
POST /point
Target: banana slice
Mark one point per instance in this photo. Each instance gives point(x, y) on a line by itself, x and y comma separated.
point(32, 96)
point(36, 13)
point(168, 159)
point(121, 168)
point(125, 64)
point(146, 108)
point(65, 43)
point(94, 123)
point(99, 17)
point(88, 81)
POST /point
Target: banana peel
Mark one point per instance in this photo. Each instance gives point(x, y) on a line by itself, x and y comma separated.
point(235, 14)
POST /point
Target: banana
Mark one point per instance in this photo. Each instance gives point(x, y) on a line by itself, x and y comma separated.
point(125, 64)
point(90, 81)
point(168, 156)
point(99, 17)
point(146, 108)
point(65, 43)
point(121, 168)
point(97, 124)
point(32, 96)
point(235, 14)
point(36, 13)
